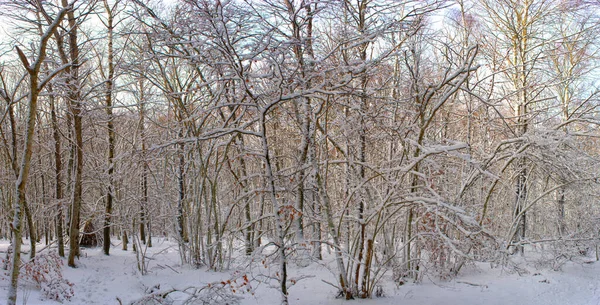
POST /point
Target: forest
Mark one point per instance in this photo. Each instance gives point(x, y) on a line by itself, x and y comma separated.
point(397, 140)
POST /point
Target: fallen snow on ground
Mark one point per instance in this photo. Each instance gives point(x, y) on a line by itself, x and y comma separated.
point(101, 279)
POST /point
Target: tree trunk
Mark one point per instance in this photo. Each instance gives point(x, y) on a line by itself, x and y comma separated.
point(520, 213)
point(21, 184)
point(57, 176)
point(111, 132)
point(561, 212)
point(31, 229)
point(181, 198)
point(125, 240)
point(77, 150)
point(144, 218)
point(279, 228)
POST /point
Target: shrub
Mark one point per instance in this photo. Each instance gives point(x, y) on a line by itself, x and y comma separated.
point(45, 270)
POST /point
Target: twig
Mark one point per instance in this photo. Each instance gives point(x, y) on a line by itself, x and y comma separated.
point(169, 268)
point(334, 285)
point(472, 284)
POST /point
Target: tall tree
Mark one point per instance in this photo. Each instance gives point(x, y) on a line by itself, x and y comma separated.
point(517, 25)
point(110, 129)
point(36, 85)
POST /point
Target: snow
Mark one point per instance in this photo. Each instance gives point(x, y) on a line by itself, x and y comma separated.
point(101, 279)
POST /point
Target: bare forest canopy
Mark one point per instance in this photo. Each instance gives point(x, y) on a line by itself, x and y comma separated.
point(405, 138)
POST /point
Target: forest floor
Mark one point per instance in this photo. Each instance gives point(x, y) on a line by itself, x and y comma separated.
point(105, 280)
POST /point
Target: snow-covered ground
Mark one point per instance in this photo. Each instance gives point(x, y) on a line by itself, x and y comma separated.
point(102, 279)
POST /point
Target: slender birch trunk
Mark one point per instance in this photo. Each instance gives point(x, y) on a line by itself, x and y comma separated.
point(110, 130)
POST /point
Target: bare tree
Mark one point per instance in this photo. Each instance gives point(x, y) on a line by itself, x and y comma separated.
point(110, 74)
point(36, 85)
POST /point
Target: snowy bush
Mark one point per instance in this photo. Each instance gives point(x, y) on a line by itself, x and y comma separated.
point(217, 293)
point(45, 270)
point(559, 252)
point(58, 289)
point(213, 294)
